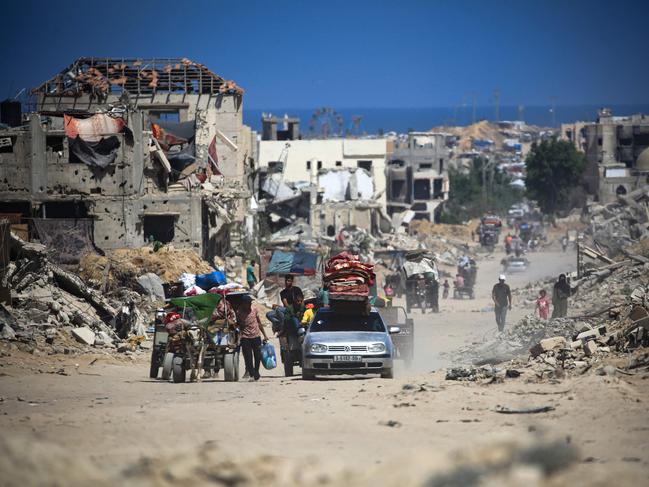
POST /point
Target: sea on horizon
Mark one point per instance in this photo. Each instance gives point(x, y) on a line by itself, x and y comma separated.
point(401, 120)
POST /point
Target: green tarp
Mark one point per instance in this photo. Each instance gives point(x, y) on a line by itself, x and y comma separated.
point(203, 304)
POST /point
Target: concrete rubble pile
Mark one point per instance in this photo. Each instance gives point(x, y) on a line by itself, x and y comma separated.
point(53, 310)
point(609, 322)
point(619, 224)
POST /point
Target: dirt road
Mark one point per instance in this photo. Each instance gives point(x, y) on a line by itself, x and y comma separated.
point(110, 416)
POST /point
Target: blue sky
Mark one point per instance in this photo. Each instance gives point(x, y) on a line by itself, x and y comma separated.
point(354, 53)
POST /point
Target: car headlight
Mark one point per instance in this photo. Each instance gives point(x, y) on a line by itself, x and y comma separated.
point(376, 347)
point(318, 348)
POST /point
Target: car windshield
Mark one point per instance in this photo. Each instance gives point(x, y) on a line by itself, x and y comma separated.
point(326, 322)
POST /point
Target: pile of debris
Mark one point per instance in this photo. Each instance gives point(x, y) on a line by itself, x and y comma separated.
point(620, 224)
point(52, 309)
point(576, 344)
point(122, 267)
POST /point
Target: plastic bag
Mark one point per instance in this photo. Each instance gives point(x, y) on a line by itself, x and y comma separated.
point(268, 357)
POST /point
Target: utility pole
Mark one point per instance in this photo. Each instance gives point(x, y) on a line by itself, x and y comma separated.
point(473, 117)
point(553, 101)
point(497, 104)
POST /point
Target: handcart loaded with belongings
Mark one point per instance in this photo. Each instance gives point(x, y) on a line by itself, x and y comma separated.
point(198, 327)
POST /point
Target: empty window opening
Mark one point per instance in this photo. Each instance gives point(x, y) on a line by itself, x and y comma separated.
point(54, 143)
point(441, 165)
point(425, 166)
point(160, 228)
point(64, 209)
point(7, 144)
point(319, 165)
point(308, 165)
point(422, 216)
point(620, 190)
point(422, 189)
point(438, 185)
point(398, 189)
point(641, 139)
point(367, 165)
point(331, 231)
point(339, 163)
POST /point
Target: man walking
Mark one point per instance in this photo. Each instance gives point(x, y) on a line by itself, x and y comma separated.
point(252, 332)
point(502, 298)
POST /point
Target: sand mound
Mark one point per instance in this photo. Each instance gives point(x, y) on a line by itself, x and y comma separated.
point(127, 264)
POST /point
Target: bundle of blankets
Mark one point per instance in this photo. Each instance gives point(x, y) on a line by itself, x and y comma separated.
point(347, 278)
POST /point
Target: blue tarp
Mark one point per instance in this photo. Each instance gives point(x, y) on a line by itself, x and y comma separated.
point(292, 263)
point(208, 281)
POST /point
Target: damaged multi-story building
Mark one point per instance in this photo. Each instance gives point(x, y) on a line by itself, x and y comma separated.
point(330, 183)
point(417, 177)
point(118, 152)
point(617, 153)
point(617, 150)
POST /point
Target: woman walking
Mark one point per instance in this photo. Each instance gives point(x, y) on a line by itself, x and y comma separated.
point(560, 294)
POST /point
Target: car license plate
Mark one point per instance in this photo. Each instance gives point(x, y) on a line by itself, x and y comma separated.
point(347, 358)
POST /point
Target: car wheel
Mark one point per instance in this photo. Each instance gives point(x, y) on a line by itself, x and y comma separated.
point(155, 364)
point(179, 373)
point(307, 375)
point(389, 374)
point(167, 366)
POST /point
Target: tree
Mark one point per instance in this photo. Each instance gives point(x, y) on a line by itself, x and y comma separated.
point(471, 196)
point(555, 170)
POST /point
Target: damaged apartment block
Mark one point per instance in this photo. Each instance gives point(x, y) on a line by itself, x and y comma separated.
point(115, 153)
point(417, 178)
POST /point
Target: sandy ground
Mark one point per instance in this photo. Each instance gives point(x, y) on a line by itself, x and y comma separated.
point(111, 416)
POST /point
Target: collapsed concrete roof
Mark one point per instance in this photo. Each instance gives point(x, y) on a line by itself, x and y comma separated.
point(101, 76)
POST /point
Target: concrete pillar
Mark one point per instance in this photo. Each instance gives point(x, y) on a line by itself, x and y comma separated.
point(39, 162)
point(609, 143)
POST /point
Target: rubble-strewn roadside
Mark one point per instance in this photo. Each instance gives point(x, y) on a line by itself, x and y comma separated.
point(55, 310)
point(608, 319)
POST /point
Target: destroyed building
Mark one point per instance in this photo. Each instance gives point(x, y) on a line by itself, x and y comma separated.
point(330, 184)
point(617, 151)
point(302, 160)
point(116, 152)
point(417, 176)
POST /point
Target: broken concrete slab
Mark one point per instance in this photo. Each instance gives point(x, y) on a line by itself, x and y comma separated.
point(103, 339)
point(84, 335)
point(152, 285)
point(590, 347)
point(548, 344)
point(7, 333)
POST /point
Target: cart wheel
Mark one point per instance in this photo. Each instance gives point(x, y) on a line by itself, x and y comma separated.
point(231, 367)
point(155, 363)
point(167, 366)
point(288, 367)
point(179, 372)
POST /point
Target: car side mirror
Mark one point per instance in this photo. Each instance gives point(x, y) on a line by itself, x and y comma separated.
point(393, 330)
